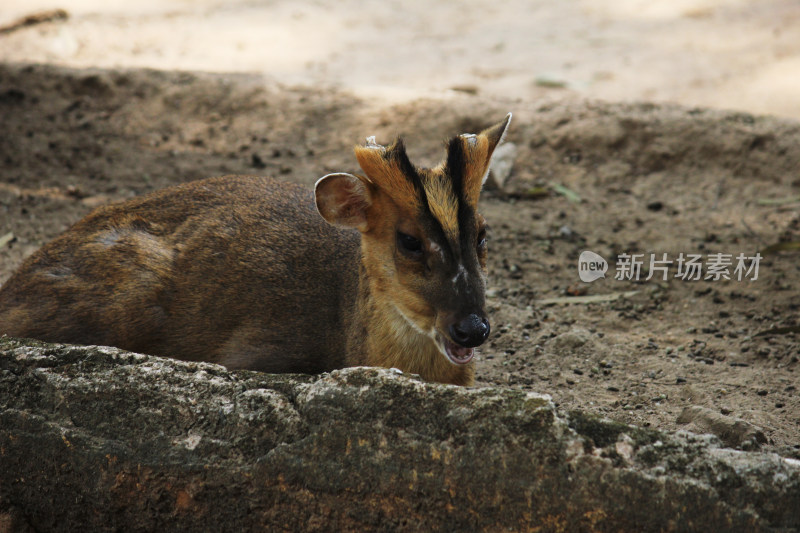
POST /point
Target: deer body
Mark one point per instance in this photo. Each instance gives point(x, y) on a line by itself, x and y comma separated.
point(222, 279)
point(243, 271)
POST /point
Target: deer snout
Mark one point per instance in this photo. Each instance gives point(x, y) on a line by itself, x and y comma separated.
point(470, 331)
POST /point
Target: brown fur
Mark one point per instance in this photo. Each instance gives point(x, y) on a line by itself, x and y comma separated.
point(242, 271)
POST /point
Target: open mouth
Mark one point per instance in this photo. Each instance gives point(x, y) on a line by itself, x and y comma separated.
point(459, 355)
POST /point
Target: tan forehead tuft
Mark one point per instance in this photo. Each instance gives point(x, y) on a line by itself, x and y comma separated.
point(476, 163)
point(385, 172)
point(442, 202)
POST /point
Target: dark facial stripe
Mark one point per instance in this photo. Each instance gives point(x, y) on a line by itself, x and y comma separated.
point(469, 293)
point(456, 167)
point(398, 154)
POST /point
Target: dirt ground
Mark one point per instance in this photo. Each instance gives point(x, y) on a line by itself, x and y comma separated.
point(650, 178)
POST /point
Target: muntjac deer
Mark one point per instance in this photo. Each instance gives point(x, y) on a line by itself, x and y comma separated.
point(243, 271)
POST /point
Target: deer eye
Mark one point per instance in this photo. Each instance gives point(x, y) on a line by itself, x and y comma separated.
point(410, 245)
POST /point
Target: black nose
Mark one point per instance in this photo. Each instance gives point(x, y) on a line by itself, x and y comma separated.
point(471, 331)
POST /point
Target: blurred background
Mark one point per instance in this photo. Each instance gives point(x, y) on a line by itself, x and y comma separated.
point(734, 54)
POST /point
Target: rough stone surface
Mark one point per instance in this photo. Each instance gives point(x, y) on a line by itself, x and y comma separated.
point(732, 431)
point(95, 439)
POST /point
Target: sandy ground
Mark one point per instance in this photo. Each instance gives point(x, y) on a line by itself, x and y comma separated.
point(737, 54)
point(289, 87)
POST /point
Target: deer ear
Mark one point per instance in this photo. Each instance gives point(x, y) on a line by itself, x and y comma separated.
point(494, 135)
point(472, 155)
point(343, 200)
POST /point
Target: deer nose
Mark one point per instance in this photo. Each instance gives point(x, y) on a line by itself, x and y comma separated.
point(471, 331)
